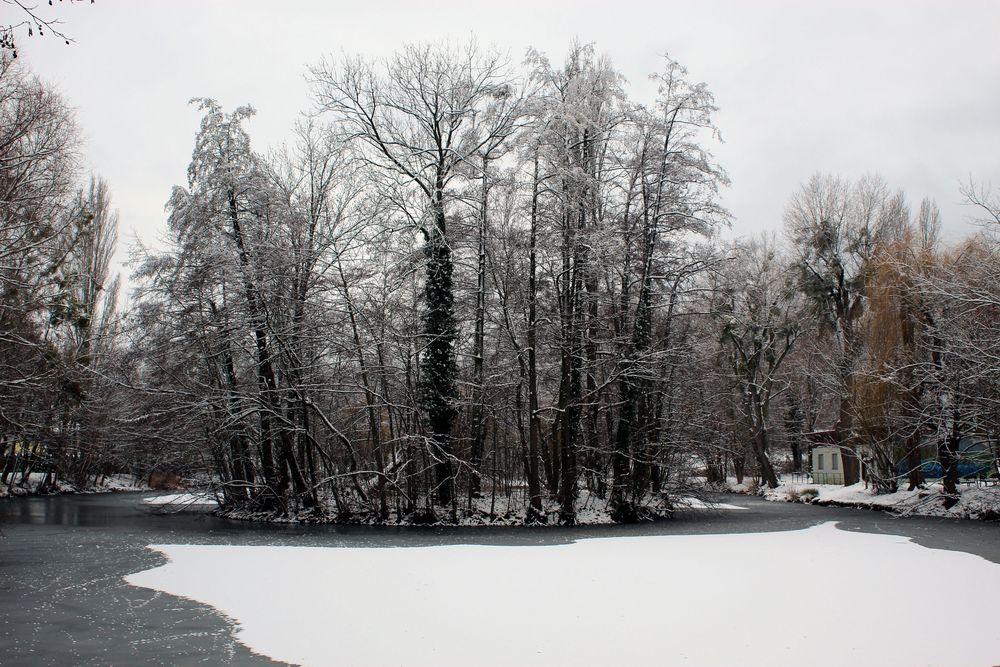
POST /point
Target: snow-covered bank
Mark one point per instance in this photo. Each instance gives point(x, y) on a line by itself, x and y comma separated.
point(975, 502)
point(591, 510)
point(767, 599)
point(109, 484)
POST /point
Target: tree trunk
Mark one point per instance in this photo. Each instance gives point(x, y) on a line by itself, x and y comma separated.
point(759, 437)
point(371, 405)
point(914, 464)
point(845, 439)
point(534, 426)
point(478, 347)
point(438, 361)
point(948, 453)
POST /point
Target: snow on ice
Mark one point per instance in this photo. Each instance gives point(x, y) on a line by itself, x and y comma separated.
point(820, 596)
point(183, 500)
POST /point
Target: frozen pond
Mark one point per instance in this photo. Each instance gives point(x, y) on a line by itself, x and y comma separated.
point(63, 599)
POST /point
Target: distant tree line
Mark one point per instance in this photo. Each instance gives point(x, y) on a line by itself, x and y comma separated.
point(472, 289)
point(58, 298)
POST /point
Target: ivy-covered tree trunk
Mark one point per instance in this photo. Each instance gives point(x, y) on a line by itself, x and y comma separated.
point(438, 359)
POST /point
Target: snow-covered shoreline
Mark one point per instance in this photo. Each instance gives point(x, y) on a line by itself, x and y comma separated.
point(974, 502)
point(590, 512)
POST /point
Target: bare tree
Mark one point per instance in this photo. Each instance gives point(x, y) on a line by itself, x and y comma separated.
point(413, 117)
point(760, 323)
point(834, 227)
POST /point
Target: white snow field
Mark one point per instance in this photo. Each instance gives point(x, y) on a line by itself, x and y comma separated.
point(819, 597)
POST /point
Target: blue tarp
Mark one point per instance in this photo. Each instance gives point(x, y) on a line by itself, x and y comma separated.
point(934, 470)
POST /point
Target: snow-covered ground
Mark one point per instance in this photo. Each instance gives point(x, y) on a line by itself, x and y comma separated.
point(819, 597)
point(975, 502)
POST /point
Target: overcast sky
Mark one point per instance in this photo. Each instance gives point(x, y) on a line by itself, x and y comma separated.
point(910, 90)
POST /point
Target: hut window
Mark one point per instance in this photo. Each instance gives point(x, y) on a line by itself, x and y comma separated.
point(834, 462)
point(819, 462)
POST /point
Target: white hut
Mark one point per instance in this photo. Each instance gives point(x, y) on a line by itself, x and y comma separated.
point(826, 468)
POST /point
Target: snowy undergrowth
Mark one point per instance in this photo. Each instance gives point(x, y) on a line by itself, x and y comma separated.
point(501, 511)
point(705, 600)
point(110, 483)
point(975, 502)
